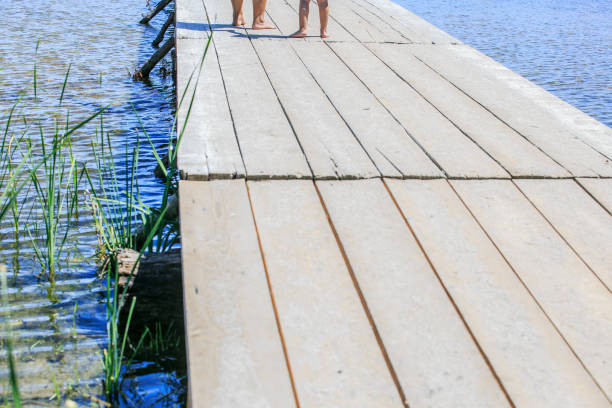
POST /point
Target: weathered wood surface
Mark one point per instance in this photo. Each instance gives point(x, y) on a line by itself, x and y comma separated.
point(600, 190)
point(233, 340)
point(335, 358)
point(436, 361)
point(208, 146)
point(579, 219)
point(455, 153)
point(490, 289)
point(570, 294)
point(534, 364)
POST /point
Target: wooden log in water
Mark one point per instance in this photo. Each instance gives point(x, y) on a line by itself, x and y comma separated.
point(155, 58)
point(160, 6)
point(162, 32)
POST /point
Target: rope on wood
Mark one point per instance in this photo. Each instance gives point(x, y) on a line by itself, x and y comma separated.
point(160, 6)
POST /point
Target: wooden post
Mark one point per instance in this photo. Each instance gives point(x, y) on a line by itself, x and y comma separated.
point(160, 6)
point(155, 58)
point(162, 32)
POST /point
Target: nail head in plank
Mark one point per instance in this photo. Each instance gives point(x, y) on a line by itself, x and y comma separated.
point(435, 359)
point(579, 219)
point(458, 156)
point(572, 296)
point(331, 149)
point(534, 364)
point(334, 355)
point(208, 148)
point(235, 356)
point(515, 153)
point(393, 151)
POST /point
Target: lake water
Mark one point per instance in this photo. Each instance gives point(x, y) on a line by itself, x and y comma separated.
point(564, 46)
point(102, 42)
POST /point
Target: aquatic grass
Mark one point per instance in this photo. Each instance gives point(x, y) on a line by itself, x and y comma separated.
point(8, 341)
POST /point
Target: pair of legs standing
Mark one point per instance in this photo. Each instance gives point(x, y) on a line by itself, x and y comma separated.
point(303, 15)
point(259, 12)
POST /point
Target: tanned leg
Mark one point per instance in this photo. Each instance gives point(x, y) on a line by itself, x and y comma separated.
point(238, 19)
point(304, 8)
point(323, 17)
point(259, 13)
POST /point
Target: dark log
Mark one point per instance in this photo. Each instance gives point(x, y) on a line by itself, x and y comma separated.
point(160, 6)
point(162, 32)
point(155, 58)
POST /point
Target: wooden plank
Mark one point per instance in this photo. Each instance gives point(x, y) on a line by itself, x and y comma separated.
point(515, 153)
point(208, 148)
point(285, 16)
point(493, 86)
point(533, 362)
point(331, 149)
point(579, 219)
point(364, 25)
point(234, 353)
point(267, 142)
point(420, 30)
point(600, 189)
point(191, 19)
point(455, 153)
point(394, 153)
point(572, 296)
point(435, 359)
point(334, 355)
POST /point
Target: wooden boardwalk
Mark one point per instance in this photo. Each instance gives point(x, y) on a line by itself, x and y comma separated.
point(386, 218)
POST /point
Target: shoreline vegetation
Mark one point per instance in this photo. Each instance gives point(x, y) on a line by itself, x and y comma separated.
point(47, 194)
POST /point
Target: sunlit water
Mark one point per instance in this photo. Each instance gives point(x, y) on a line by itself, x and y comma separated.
point(565, 46)
point(102, 43)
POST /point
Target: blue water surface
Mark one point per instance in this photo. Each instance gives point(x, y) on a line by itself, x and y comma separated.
point(565, 46)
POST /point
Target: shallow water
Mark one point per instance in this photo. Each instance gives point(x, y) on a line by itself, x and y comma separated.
point(102, 43)
point(565, 46)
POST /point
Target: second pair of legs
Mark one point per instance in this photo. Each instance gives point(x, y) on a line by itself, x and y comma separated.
point(259, 12)
point(303, 14)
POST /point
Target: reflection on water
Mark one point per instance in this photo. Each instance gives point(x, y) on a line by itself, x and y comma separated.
point(565, 46)
point(61, 327)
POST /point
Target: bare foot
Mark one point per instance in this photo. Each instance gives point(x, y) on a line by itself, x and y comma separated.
point(262, 25)
point(298, 34)
point(238, 21)
point(324, 34)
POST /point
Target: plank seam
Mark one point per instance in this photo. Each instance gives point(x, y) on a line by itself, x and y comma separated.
point(429, 156)
point(364, 303)
point(494, 115)
point(280, 102)
point(381, 20)
point(561, 236)
point(529, 291)
point(577, 180)
point(334, 106)
point(450, 297)
point(439, 111)
point(272, 299)
point(229, 107)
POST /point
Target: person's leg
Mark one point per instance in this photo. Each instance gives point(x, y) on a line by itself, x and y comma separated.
point(259, 13)
point(323, 17)
point(238, 19)
point(303, 15)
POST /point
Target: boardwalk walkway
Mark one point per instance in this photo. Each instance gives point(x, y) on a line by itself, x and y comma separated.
point(388, 218)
